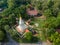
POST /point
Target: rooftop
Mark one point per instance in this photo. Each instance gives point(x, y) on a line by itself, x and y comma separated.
point(32, 12)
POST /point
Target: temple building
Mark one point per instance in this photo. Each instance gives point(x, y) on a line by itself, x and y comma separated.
point(22, 27)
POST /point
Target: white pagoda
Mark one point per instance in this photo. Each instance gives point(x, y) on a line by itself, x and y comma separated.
point(22, 26)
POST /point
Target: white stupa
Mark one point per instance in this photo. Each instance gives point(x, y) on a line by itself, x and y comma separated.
point(22, 26)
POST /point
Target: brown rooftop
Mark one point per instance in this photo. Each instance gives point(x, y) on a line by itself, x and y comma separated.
point(32, 12)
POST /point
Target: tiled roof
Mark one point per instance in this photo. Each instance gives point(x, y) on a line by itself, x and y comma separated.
point(32, 12)
point(26, 30)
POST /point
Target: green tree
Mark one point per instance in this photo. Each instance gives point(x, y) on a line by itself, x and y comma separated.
point(28, 36)
point(1, 35)
point(11, 3)
point(3, 3)
point(47, 13)
point(55, 38)
point(50, 4)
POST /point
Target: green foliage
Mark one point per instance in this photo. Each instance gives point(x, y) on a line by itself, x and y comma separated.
point(50, 31)
point(50, 4)
point(6, 27)
point(30, 38)
point(51, 22)
point(3, 3)
point(40, 6)
point(55, 38)
point(11, 3)
point(1, 35)
point(48, 13)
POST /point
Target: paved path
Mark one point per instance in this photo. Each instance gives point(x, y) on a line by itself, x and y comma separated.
point(15, 43)
point(22, 44)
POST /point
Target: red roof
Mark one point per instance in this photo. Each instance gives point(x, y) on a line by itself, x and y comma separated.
point(32, 12)
point(26, 30)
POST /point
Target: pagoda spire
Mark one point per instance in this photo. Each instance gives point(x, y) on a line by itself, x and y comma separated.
point(20, 20)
